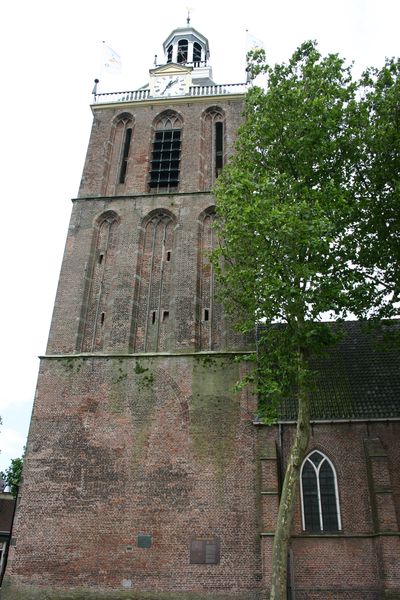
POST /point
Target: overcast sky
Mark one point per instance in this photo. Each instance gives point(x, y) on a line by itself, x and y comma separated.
point(51, 54)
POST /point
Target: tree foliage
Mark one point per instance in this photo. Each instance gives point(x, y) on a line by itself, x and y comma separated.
point(285, 209)
point(377, 183)
point(13, 474)
point(300, 227)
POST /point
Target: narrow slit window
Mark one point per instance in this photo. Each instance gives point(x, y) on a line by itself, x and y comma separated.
point(125, 155)
point(168, 255)
point(102, 318)
point(219, 147)
point(165, 316)
point(101, 256)
point(206, 314)
point(153, 317)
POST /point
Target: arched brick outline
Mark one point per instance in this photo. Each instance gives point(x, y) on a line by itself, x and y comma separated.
point(165, 151)
point(96, 314)
point(153, 288)
point(212, 154)
point(319, 494)
point(117, 153)
point(208, 313)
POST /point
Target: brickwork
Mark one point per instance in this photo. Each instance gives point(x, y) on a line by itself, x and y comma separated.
point(100, 174)
point(357, 560)
point(137, 436)
point(156, 446)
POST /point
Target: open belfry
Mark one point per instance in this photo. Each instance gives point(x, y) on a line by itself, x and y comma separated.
point(146, 474)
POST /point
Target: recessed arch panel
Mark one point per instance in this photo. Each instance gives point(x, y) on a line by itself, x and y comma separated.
point(212, 146)
point(152, 303)
point(209, 313)
point(118, 152)
point(97, 315)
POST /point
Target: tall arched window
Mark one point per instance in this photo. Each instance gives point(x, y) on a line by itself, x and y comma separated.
point(196, 52)
point(166, 154)
point(213, 145)
point(169, 53)
point(117, 153)
point(319, 494)
point(183, 47)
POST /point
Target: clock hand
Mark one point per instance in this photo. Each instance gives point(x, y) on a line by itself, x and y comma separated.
point(169, 84)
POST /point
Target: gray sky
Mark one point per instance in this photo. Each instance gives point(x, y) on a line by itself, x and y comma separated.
point(51, 54)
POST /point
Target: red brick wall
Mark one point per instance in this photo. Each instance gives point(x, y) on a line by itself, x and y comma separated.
point(101, 171)
point(121, 447)
point(161, 445)
point(361, 560)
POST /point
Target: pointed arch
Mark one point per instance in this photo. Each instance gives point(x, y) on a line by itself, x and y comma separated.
point(117, 153)
point(102, 269)
point(319, 494)
point(166, 151)
point(213, 145)
point(209, 313)
point(153, 293)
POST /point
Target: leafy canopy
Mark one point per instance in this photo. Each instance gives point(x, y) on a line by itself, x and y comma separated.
point(288, 207)
point(377, 181)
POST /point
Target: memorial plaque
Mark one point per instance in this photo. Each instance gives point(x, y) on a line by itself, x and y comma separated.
point(144, 541)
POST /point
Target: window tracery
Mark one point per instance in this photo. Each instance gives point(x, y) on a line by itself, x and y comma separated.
point(166, 153)
point(319, 494)
point(154, 284)
point(213, 152)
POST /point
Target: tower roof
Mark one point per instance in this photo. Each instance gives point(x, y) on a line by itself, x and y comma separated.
point(189, 33)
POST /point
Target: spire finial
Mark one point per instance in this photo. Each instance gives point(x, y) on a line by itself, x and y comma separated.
point(188, 15)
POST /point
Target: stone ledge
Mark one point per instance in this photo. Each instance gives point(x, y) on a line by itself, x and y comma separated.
point(11, 591)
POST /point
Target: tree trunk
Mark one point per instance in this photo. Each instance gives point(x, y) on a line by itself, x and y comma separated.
point(287, 501)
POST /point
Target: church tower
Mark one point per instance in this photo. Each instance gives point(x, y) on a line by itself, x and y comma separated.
point(140, 468)
point(146, 476)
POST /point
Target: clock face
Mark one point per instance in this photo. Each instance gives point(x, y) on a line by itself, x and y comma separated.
point(169, 85)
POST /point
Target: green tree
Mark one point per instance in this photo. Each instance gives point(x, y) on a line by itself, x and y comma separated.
point(13, 474)
point(377, 180)
point(287, 206)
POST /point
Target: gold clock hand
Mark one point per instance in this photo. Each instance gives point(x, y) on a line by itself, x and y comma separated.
point(169, 84)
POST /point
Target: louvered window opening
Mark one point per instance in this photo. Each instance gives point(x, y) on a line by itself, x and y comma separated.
point(165, 159)
point(125, 155)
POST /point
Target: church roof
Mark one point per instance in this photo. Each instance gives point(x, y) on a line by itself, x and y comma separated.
point(359, 378)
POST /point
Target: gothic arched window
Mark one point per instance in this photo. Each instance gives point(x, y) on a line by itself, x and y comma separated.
point(213, 151)
point(319, 494)
point(117, 153)
point(166, 154)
